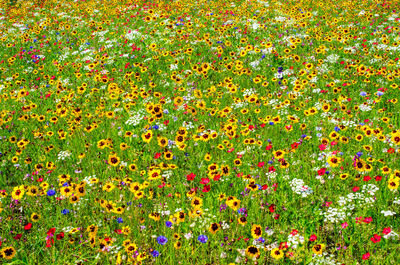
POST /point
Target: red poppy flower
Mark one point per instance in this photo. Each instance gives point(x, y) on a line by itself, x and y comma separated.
point(272, 208)
point(386, 230)
point(367, 220)
point(190, 177)
point(204, 181)
point(60, 236)
point(322, 147)
point(378, 178)
point(264, 187)
point(283, 245)
point(206, 188)
point(313, 237)
point(376, 238)
point(261, 164)
point(49, 242)
point(18, 236)
point(51, 231)
point(268, 147)
point(217, 177)
point(321, 171)
point(366, 256)
point(28, 226)
point(367, 178)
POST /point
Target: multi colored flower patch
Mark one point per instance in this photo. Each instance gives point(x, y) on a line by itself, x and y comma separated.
point(199, 132)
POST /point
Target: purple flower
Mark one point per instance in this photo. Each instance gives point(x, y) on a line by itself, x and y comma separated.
point(162, 240)
point(155, 253)
point(202, 238)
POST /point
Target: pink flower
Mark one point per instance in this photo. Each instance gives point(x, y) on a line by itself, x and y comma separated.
point(367, 220)
point(344, 225)
point(322, 147)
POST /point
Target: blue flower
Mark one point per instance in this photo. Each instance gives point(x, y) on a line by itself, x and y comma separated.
point(363, 94)
point(156, 127)
point(65, 211)
point(168, 223)
point(337, 129)
point(120, 220)
point(51, 192)
point(359, 154)
point(271, 123)
point(202, 238)
point(155, 253)
point(162, 240)
point(380, 93)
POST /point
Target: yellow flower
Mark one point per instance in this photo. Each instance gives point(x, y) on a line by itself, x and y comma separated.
point(318, 249)
point(277, 253)
point(8, 253)
point(256, 231)
point(113, 160)
point(147, 136)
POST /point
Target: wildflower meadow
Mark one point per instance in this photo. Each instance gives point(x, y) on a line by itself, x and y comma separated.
point(199, 132)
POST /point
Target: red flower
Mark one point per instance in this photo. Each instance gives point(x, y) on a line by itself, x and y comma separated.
point(264, 187)
point(271, 169)
point(376, 238)
point(261, 164)
point(391, 150)
point(204, 181)
point(294, 232)
point(366, 256)
point(157, 155)
point(206, 188)
point(378, 178)
point(268, 147)
point(28, 226)
point(49, 242)
point(272, 208)
point(51, 231)
point(367, 220)
point(355, 189)
point(60, 236)
point(313, 237)
point(294, 145)
point(367, 178)
point(283, 245)
point(190, 177)
point(386, 230)
point(322, 147)
point(18, 236)
point(217, 177)
point(321, 171)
